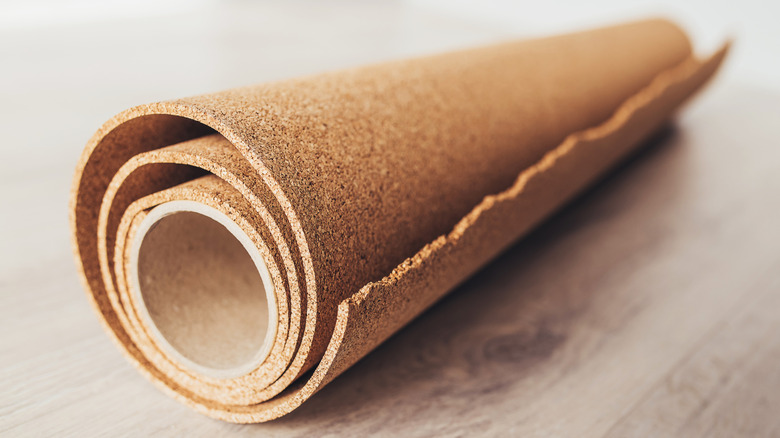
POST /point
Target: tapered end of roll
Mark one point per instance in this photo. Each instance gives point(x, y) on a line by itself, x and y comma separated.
point(203, 289)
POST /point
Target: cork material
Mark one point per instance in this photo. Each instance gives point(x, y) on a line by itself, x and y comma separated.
point(369, 193)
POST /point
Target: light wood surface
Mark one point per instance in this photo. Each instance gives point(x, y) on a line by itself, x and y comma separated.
point(648, 307)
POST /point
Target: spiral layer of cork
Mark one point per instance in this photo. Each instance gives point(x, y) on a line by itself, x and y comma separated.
point(244, 248)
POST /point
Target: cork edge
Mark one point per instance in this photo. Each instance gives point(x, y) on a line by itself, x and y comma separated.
point(621, 116)
point(274, 379)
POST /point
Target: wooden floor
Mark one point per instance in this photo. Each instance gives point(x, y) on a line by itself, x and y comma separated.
point(648, 307)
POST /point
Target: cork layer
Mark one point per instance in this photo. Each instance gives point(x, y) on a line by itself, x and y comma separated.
point(369, 193)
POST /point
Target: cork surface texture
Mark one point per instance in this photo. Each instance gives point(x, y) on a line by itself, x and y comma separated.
point(369, 192)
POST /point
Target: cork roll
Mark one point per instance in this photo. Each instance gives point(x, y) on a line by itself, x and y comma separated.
point(245, 247)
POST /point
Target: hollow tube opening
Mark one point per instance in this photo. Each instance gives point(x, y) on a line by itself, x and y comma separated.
point(203, 289)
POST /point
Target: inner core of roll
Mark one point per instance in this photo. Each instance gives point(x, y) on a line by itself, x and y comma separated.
point(202, 289)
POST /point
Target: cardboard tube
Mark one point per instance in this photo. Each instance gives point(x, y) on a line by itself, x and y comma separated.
point(203, 288)
point(349, 201)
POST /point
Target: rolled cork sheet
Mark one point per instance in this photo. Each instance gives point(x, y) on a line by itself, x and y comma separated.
point(244, 248)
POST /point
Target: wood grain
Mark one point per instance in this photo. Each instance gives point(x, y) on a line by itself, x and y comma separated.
point(648, 307)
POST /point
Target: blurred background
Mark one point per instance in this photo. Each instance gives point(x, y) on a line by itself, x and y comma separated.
point(68, 66)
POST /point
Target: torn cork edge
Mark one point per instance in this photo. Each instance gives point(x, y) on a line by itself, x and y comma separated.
point(422, 279)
